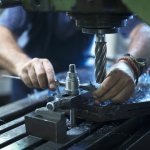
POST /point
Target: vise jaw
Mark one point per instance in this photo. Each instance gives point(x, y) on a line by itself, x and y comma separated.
point(46, 124)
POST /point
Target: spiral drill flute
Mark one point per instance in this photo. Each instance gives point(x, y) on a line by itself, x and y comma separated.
point(100, 58)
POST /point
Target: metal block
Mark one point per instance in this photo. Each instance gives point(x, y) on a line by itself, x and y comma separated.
point(49, 128)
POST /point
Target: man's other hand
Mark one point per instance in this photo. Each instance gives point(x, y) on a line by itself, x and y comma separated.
point(37, 73)
point(118, 85)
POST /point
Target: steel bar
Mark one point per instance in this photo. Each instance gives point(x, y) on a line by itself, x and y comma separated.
point(9, 76)
point(61, 83)
point(72, 117)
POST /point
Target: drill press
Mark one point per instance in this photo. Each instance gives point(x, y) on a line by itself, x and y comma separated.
point(92, 17)
point(97, 17)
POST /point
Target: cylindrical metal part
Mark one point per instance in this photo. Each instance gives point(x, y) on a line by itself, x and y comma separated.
point(100, 58)
point(52, 105)
point(72, 81)
point(56, 103)
point(72, 117)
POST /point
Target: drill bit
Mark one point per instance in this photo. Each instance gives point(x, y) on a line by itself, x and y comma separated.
point(100, 58)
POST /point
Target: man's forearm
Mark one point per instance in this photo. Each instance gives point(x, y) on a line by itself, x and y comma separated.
point(140, 42)
point(11, 56)
point(35, 73)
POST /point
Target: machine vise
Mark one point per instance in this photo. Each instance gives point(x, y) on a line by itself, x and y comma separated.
point(52, 118)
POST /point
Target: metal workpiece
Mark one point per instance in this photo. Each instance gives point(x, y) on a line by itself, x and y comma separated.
point(58, 102)
point(69, 102)
point(72, 81)
point(100, 58)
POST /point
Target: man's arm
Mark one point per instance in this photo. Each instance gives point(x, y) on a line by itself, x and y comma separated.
point(120, 81)
point(10, 53)
point(36, 72)
point(140, 44)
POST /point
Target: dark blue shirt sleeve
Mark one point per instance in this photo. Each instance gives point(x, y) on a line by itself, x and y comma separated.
point(15, 19)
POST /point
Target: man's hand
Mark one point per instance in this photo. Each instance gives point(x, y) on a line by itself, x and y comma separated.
point(118, 85)
point(37, 73)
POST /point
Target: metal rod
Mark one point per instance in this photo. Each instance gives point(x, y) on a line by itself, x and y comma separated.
point(11, 77)
point(72, 117)
point(18, 78)
point(60, 83)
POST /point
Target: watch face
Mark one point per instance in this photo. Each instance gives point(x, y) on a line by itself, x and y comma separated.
point(140, 8)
